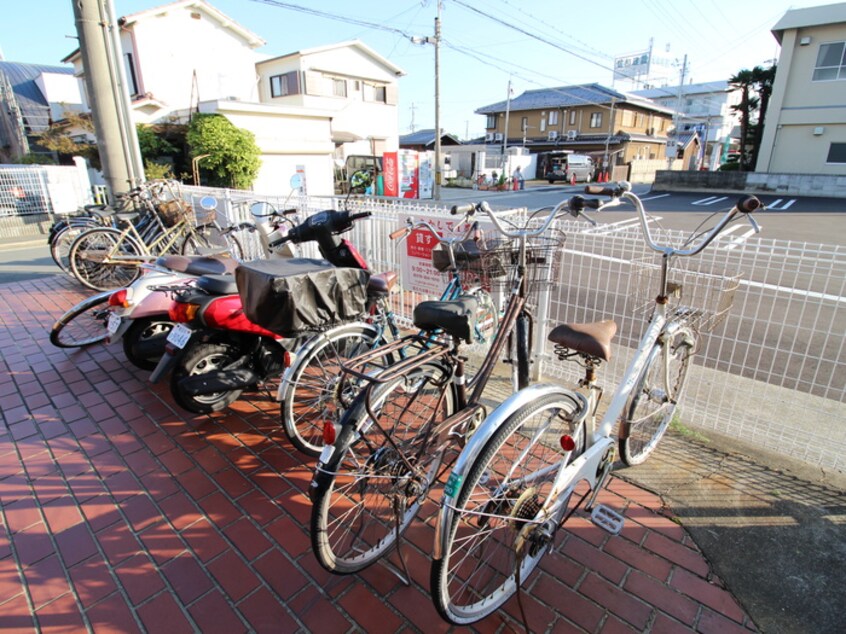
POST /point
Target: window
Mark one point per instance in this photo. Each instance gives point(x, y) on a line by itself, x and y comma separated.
point(553, 117)
point(638, 120)
point(627, 119)
point(572, 117)
point(282, 85)
point(339, 87)
point(831, 62)
point(836, 153)
point(374, 93)
point(491, 122)
point(595, 119)
point(130, 75)
point(543, 124)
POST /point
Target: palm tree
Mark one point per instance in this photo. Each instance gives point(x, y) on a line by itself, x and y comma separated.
point(763, 79)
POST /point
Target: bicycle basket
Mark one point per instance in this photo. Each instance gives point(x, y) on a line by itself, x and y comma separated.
point(701, 297)
point(173, 211)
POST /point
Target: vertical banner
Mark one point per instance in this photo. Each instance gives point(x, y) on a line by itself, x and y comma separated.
point(427, 175)
point(390, 173)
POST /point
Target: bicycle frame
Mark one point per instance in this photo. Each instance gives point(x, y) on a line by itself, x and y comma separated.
point(164, 242)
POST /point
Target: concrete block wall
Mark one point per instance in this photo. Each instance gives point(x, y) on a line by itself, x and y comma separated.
point(823, 185)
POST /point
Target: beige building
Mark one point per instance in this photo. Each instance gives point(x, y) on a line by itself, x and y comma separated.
point(805, 127)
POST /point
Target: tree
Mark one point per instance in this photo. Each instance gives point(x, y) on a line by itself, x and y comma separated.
point(233, 156)
point(59, 137)
point(755, 89)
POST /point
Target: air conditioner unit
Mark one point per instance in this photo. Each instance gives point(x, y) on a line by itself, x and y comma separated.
point(498, 136)
point(650, 131)
point(572, 134)
point(552, 135)
point(489, 136)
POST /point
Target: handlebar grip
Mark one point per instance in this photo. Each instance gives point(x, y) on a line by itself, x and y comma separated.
point(281, 240)
point(289, 212)
point(463, 209)
point(600, 191)
point(748, 204)
point(593, 203)
point(360, 215)
point(396, 234)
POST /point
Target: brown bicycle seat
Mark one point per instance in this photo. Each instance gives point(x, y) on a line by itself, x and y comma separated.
point(593, 339)
point(382, 283)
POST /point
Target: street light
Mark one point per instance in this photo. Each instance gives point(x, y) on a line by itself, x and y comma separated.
point(435, 40)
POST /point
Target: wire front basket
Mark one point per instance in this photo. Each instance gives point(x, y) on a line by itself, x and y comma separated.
point(493, 263)
point(701, 298)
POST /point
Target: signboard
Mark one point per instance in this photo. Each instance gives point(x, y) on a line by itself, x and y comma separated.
point(389, 174)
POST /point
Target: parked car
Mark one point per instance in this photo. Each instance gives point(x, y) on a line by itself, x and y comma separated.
point(564, 166)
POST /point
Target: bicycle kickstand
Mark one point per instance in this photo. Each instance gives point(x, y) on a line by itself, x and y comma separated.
point(402, 575)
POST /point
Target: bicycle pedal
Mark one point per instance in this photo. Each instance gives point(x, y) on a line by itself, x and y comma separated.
point(607, 519)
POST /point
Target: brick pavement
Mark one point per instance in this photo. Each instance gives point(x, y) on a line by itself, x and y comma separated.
point(120, 513)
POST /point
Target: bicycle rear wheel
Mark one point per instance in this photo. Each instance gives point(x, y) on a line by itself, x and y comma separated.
point(310, 388)
point(84, 324)
point(62, 239)
point(654, 399)
point(502, 518)
point(90, 260)
point(366, 496)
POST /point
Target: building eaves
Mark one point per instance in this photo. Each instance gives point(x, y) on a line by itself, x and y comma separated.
point(569, 97)
point(810, 16)
point(224, 20)
point(393, 68)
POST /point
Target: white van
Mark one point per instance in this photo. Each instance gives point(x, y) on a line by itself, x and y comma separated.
point(563, 166)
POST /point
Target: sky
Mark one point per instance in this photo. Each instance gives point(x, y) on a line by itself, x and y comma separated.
point(485, 46)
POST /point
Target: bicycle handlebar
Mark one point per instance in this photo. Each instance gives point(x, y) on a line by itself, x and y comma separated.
point(745, 205)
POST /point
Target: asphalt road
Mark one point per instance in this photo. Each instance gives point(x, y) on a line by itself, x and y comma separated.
point(19, 263)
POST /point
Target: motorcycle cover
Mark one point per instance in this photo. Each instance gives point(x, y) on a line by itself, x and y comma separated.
point(296, 295)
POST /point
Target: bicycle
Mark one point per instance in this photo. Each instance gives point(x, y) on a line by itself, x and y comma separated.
point(105, 258)
point(377, 467)
point(511, 487)
point(311, 390)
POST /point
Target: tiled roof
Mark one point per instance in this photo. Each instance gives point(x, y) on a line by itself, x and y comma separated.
point(424, 137)
point(32, 103)
point(566, 97)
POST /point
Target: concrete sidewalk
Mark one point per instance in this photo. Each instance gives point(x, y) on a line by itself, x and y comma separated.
point(122, 513)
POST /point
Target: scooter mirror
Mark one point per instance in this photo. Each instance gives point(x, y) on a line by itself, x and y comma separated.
point(262, 209)
point(296, 181)
point(208, 203)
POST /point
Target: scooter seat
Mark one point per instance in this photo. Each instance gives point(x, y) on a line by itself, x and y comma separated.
point(218, 284)
point(382, 283)
point(198, 264)
point(457, 318)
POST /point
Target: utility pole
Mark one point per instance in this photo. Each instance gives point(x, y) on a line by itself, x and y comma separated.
point(413, 108)
point(505, 131)
point(436, 189)
point(610, 131)
point(671, 154)
point(117, 141)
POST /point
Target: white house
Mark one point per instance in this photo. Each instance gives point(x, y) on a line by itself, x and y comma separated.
point(307, 109)
point(704, 108)
point(805, 126)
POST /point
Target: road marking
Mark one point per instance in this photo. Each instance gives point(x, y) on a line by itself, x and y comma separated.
point(775, 205)
point(710, 200)
point(622, 225)
point(770, 287)
point(654, 197)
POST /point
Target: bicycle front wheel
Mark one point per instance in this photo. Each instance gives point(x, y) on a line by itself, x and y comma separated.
point(310, 388)
point(91, 259)
point(212, 240)
point(654, 399)
point(369, 490)
point(62, 239)
point(487, 323)
point(502, 519)
point(84, 324)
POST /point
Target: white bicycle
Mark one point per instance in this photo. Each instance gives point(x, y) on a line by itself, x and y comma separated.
point(511, 487)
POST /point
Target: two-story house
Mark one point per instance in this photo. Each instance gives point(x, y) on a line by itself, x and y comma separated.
point(805, 125)
point(308, 109)
point(612, 126)
point(704, 108)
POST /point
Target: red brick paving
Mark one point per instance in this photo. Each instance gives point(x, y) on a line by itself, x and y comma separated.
point(122, 513)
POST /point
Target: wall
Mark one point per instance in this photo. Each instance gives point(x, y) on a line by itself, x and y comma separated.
point(788, 184)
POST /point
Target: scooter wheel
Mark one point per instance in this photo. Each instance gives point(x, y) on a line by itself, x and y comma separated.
point(204, 357)
point(144, 341)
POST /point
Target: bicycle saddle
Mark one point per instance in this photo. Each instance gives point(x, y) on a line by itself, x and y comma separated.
point(457, 317)
point(593, 339)
point(382, 283)
point(198, 265)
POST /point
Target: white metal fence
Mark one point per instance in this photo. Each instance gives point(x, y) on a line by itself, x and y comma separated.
point(773, 373)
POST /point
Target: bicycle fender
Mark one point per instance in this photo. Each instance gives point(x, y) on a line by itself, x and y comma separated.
point(479, 440)
point(308, 347)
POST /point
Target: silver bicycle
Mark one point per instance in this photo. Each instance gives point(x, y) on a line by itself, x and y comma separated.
point(511, 487)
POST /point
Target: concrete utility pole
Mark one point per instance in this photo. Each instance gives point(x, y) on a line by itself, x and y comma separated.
point(117, 141)
point(505, 131)
point(436, 189)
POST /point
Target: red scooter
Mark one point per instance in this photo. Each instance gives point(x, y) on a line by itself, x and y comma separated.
point(215, 351)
